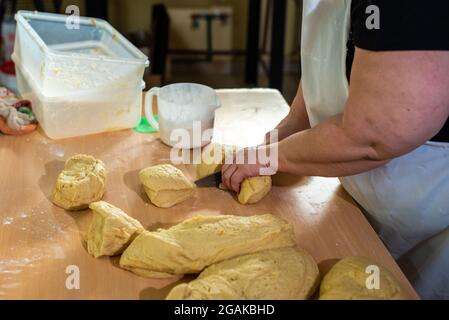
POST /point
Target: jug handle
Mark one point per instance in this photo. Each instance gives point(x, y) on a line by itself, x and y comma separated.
point(149, 106)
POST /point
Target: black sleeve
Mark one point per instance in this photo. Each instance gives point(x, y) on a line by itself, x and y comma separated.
point(404, 25)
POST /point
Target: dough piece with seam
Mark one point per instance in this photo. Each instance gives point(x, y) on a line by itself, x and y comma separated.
point(198, 242)
point(80, 183)
point(166, 185)
point(111, 230)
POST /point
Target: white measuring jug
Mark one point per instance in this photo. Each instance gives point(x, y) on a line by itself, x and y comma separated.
point(186, 113)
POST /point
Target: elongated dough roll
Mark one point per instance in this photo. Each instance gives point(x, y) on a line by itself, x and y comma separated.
point(111, 230)
point(80, 183)
point(280, 274)
point(200, 241)
point(166, 185)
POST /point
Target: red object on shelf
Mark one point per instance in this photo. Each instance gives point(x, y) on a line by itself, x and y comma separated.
point(8, 68)
point(8, 75)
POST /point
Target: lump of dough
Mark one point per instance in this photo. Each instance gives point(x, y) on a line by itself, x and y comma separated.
point(80, 183)
point(200, 241)
point(111, 230)
point(212, 159)
point(347, 280)
point(280, 274)
point(166, 185)
point(253, 189)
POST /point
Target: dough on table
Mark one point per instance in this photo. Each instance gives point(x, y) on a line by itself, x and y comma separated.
point(200, 241)
point(254, 189)
point(166, 185)
point(111, 230)
point(80, 183)
point(280, 274)
point(347, 281)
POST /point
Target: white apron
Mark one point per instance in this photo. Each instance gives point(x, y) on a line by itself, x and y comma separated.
point(407, 200)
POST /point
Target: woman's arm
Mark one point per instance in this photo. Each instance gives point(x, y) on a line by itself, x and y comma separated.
point(397, 101)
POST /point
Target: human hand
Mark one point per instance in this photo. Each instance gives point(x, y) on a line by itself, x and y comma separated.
point(237, 168)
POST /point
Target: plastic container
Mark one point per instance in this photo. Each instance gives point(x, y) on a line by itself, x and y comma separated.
point(186, 114)
point(77, 115)
point(93, 57)
point(81, 81)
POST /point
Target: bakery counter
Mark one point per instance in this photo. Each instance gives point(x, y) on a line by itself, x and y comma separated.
point(43, 247)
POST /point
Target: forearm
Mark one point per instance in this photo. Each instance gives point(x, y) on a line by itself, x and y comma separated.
point(326, 150)
point(384, 118)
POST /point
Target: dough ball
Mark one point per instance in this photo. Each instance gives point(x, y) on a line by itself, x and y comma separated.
point(166, 185)
point(80, 183)
point(111, 230)
point(200, 241)
point(347, 281)
point(212, 159)
point(280, 274)
point(254, 189)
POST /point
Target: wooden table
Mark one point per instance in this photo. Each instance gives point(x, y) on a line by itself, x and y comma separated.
point(38, 241)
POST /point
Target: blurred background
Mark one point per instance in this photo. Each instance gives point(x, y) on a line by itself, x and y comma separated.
point(220, 43)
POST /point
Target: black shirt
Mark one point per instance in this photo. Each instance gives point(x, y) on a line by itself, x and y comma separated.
point(403, 25)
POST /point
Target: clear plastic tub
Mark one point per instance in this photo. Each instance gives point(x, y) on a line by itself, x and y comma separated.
point(81, 81)
point(77, 115)
point(61, 60)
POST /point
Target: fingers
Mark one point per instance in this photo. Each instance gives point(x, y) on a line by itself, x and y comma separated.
point(236, 179)
point(226, 174)
point(233, 175)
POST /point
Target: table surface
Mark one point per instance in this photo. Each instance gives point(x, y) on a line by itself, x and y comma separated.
point(41, 242)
